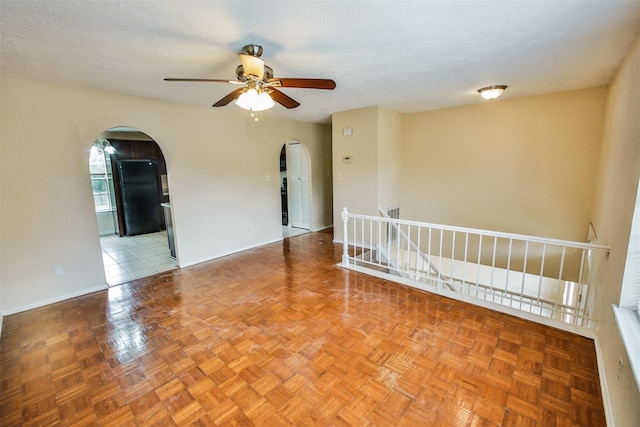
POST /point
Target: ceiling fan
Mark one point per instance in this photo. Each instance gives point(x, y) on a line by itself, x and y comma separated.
point(259, 87)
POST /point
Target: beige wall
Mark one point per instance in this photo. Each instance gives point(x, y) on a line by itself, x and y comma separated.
point(390, 138)
point(355, 183)
point(612, 215)
point(219, 163)
point(374, 177)
point(523, 165)
point(319, 146)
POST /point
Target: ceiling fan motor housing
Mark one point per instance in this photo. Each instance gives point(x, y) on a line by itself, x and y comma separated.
point(241, 76)
point(253, 50)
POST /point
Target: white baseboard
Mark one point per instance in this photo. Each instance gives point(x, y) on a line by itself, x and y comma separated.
point(235, 251)
point(55, 299)
point(606, 400)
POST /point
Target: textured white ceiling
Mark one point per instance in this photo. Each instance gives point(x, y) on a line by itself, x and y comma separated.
point(405, 55)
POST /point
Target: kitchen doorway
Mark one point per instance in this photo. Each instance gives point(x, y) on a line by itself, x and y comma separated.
point(295, 188)
point(130, 190)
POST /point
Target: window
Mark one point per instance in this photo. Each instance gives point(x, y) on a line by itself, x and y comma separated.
point(628, 311)
point(630, 295)
point(101, 179)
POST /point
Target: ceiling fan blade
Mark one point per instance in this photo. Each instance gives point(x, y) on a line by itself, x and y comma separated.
point(230, 97)
point(174, 79)
point(283, 99)
point(303, 83)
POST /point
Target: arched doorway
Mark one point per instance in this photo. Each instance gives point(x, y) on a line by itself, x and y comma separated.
point(295, 188)
point(129, 179)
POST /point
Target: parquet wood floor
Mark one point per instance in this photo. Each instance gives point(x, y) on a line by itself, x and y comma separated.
point(281, 336)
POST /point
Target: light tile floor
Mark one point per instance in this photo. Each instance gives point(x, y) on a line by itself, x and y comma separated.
point(131, 257)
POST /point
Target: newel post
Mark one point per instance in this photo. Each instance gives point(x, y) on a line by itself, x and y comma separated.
point(345, 243)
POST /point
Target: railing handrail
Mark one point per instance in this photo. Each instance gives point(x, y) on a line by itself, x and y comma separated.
point(514, 236)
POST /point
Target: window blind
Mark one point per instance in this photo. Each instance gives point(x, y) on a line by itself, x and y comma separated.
point(630, 295)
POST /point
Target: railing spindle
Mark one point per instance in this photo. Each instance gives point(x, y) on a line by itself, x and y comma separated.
point(453, 256)
point(478, 266)
point(493, 265)
point(466, 248)
point(380, 244)
point(560, 272)
point(582, 302)
point(355, 239)
point(544, 251)
point(440, 255)
point(524, 273)
point(362, 239)
point(371, 244)
point(506, 282)
point(419, 246)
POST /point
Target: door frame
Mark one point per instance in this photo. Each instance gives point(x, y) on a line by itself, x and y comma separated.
point(305, 156)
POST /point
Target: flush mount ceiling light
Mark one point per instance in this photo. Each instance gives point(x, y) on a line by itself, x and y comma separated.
point(492, 92)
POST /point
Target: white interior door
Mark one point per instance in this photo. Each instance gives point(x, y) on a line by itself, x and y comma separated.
point(298, 166)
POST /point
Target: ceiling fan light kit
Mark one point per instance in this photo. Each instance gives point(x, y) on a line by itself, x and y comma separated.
point(259, 92)
point(492, 92)
point(253, 100)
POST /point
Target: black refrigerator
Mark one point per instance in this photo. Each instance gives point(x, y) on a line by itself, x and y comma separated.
point(140, 196)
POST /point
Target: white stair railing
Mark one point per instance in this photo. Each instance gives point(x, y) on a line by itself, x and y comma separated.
point(545, 280)
point(395, 234)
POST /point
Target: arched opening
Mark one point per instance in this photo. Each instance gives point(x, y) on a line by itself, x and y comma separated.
point(295, 188)
point(129, 179)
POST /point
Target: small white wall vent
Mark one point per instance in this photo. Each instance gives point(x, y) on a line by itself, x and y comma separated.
point(394, 212)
